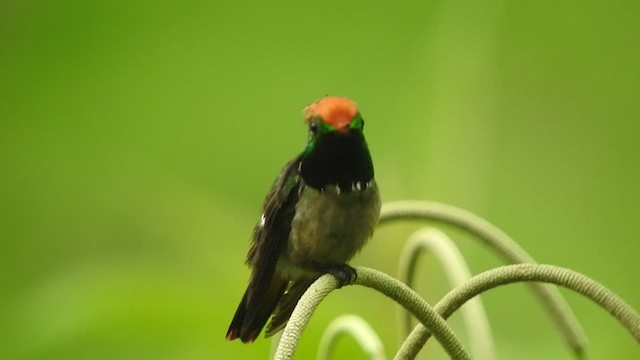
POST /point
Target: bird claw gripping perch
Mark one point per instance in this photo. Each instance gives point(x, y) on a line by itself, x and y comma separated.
point(344, 273)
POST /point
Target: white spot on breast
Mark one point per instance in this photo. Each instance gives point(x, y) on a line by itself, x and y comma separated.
point(262, 220)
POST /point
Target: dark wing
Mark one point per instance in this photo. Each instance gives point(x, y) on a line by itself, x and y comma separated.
point(272, 231)
point(269, 240)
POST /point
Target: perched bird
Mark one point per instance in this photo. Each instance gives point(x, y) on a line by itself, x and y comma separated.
point(320, 211)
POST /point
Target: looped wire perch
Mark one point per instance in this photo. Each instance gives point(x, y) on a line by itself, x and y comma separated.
point(455, 267)
point(433, 318)
point(383, 283)
point(550, 298)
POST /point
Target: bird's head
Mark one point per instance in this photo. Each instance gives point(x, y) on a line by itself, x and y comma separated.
point(336, 151)
point(333, 115)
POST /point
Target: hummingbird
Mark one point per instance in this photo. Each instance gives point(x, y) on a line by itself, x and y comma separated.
point(319, 213)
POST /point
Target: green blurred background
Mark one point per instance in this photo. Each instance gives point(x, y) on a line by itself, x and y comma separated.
point(137, 140)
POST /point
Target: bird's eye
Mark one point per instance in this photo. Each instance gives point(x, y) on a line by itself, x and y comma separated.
point(313, 127)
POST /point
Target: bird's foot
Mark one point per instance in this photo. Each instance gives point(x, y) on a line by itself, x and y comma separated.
point(344, 273)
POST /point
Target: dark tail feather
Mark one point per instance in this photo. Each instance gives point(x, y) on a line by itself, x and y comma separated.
point(288, 304)
point(238, 318)
point(254, 311)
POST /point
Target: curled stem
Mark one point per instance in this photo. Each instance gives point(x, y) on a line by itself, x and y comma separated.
point(383, 283)
point(457, 271)
point(549, 296)
point(359, 329)
point(570, 279)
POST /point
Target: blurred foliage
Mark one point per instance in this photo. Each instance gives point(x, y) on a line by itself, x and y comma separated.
point(137, 140)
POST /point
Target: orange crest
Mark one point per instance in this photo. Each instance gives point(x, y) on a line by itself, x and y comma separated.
point(333, 110)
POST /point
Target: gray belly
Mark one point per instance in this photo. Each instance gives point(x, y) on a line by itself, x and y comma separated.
point(330, 227)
